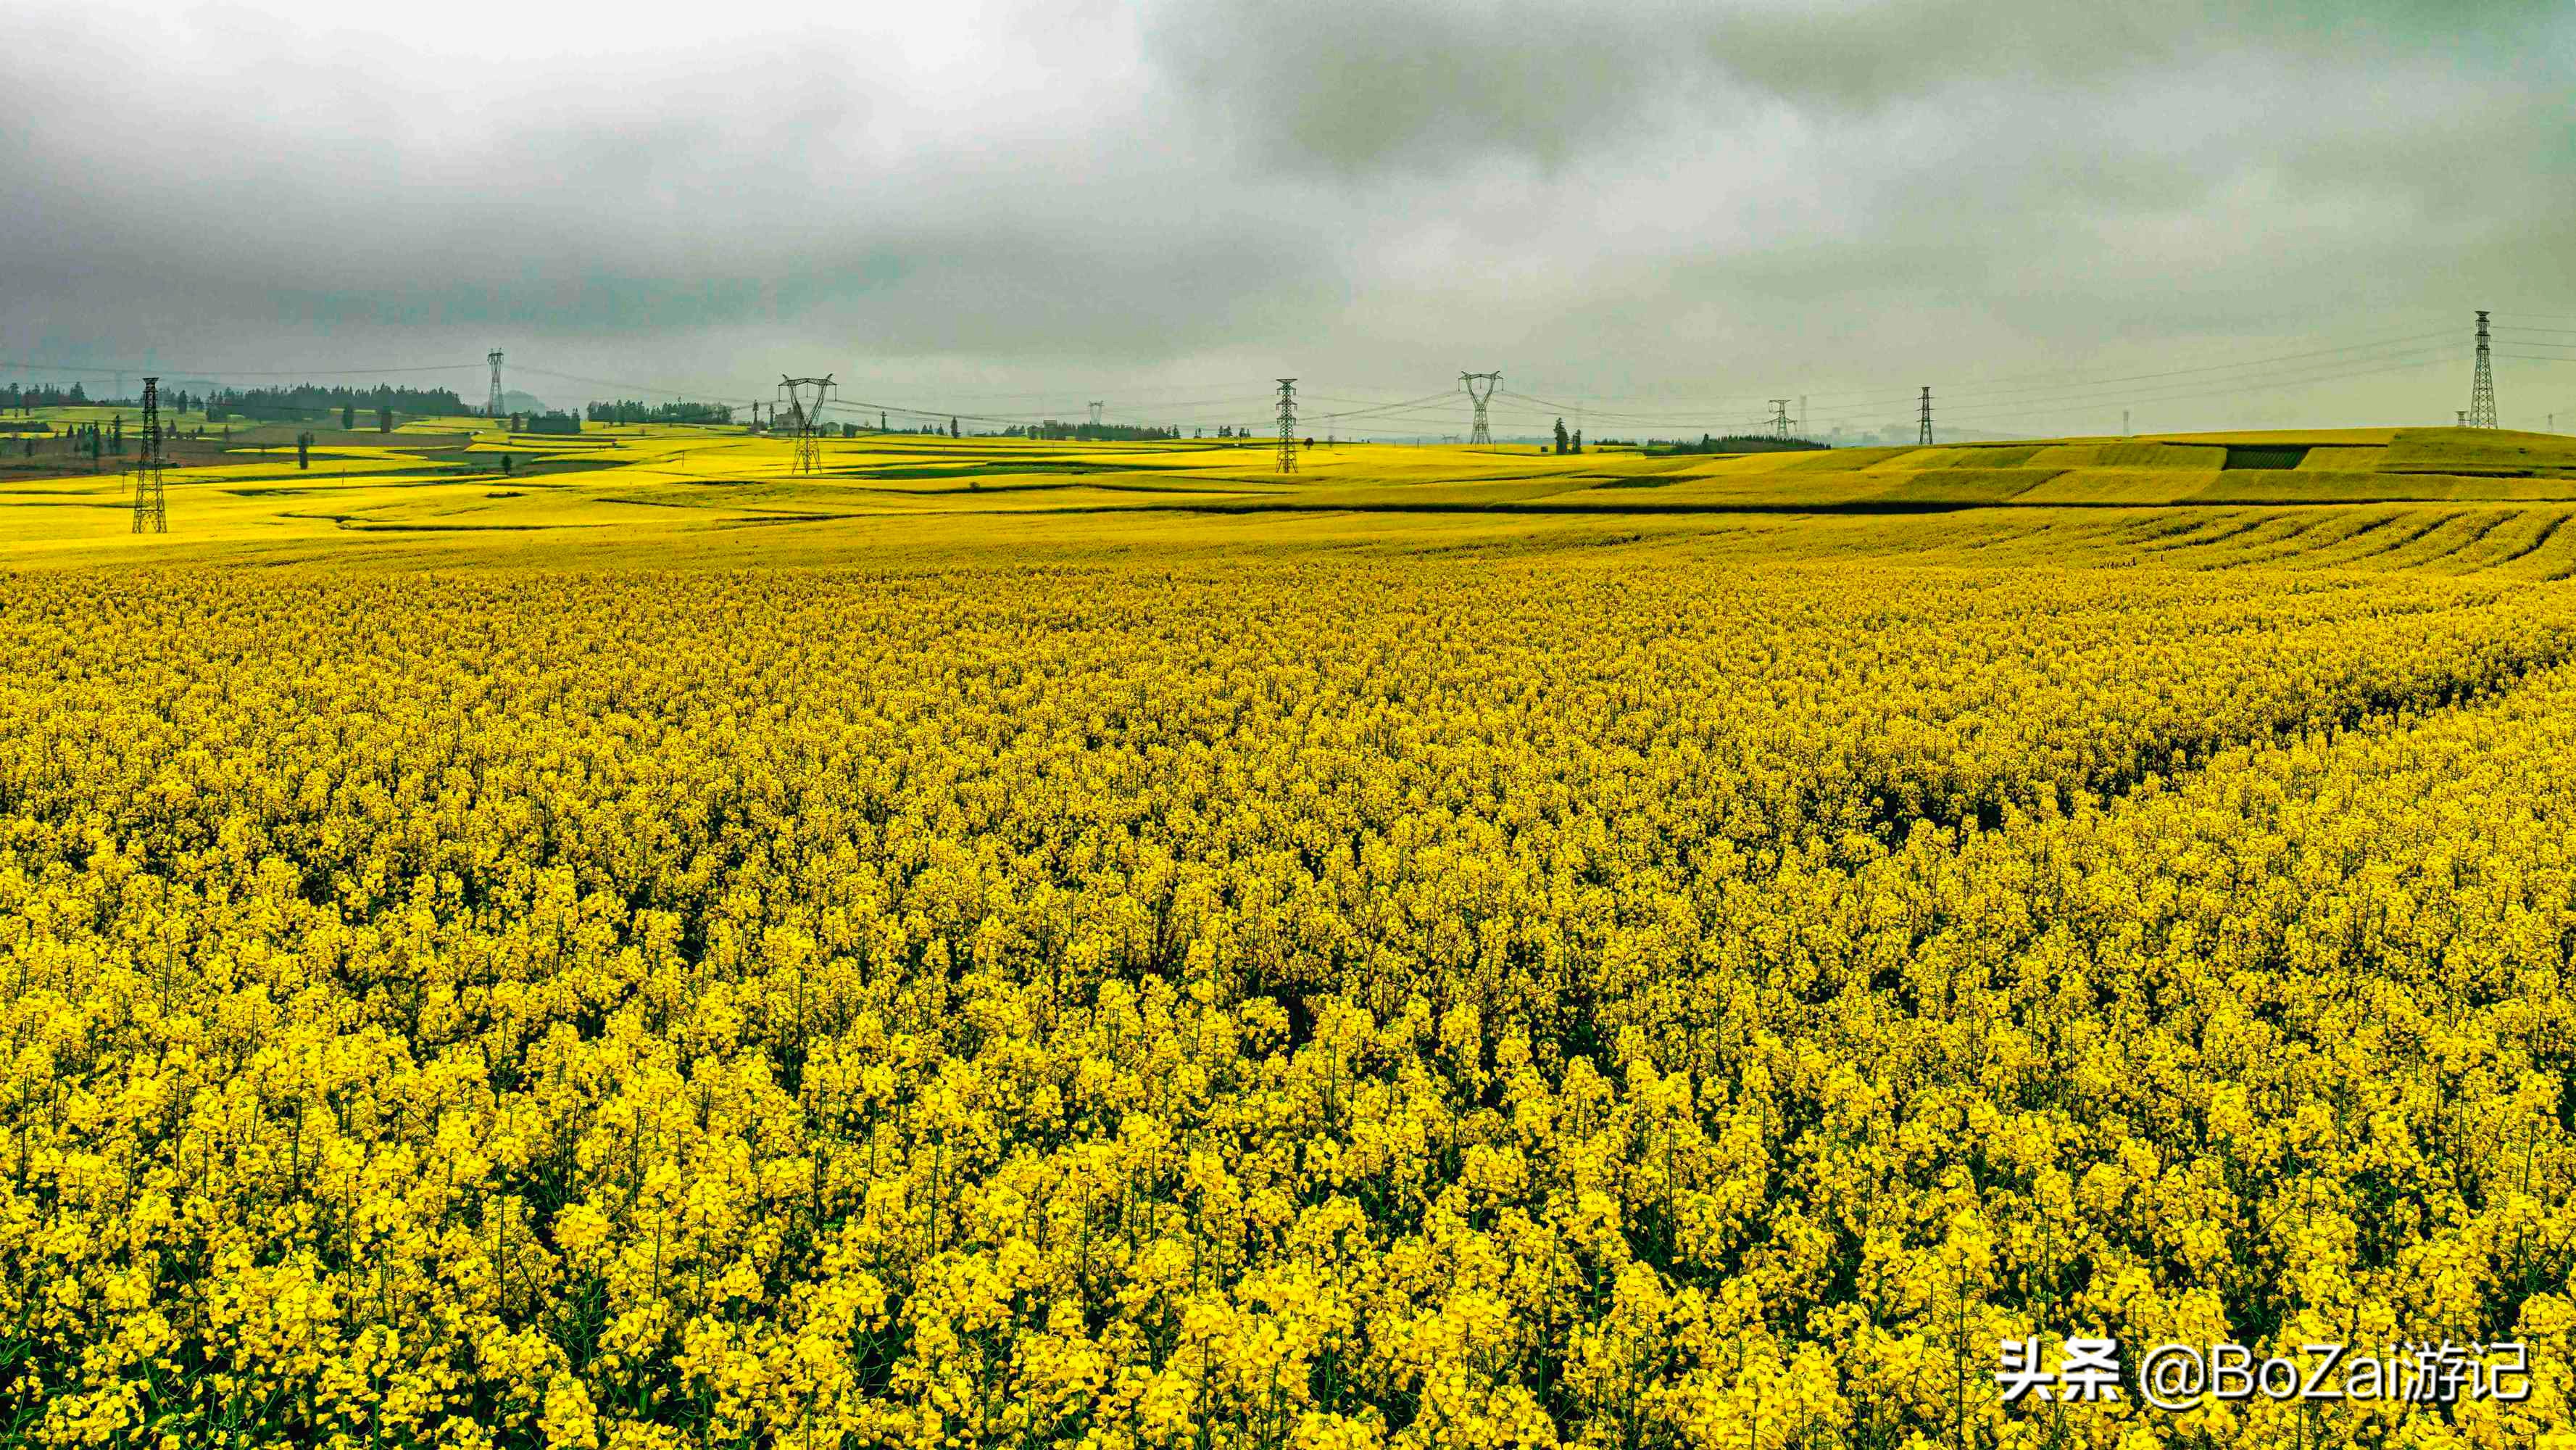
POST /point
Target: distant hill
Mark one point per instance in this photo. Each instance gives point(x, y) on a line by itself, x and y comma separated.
point(2350, 465)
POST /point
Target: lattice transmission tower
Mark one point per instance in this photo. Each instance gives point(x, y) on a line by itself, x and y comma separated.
point(1480, 433)
point(495, 407)
point(1780, 419)
point(1923, 434)
point(150, 515)
point(1095, 414)
point(800, 407)
point(1287, 425)
point(2482, 409)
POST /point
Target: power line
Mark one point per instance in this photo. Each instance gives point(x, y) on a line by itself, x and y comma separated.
point(28, 367)
point(862, 405)
point(2298, 376)
point(2058, 383)
point(2063, 384)
point(643, 389)
point(2042, 398)
point(2055, 392)
point(1409, 404)
point(2440, 357)
point(2253, 364)
point(2080, 377)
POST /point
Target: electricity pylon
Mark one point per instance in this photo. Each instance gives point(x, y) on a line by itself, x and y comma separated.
point(1923, 435)
point(493, 409)
point(1780, 419)
point(1287, 425)
point(1480, 433)
point(1095, 414)
point(150, 514)
point(804, 399)
point(2482, 408)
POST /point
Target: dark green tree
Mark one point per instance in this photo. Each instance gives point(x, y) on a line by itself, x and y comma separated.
point(1560, 436)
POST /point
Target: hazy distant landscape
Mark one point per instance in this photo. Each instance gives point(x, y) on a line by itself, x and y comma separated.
point(642, 491)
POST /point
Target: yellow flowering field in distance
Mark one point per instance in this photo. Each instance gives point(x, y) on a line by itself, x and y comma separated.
point(439, 489)
point(1108, 947)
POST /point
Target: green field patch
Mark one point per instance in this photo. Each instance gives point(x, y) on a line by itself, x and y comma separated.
point(2283, 456)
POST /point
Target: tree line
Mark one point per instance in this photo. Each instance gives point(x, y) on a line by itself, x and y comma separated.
point(1053, 431)
point(416, 401)
point(1731, 443)
point(304, 397)
point(628, 410)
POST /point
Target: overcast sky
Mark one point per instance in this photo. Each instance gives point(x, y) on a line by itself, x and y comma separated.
point(1663, 212)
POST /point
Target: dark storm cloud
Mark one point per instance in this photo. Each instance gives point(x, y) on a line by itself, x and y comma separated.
point(1654, 195)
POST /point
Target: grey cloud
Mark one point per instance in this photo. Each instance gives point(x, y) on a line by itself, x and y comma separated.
point(1650, 196)
point(802, 201)
point(1351, 87)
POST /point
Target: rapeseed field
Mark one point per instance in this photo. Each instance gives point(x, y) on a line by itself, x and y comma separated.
point(436, 490)
point(854, 970)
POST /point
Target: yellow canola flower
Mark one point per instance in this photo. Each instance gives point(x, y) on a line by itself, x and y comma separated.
point(1348, 1004)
